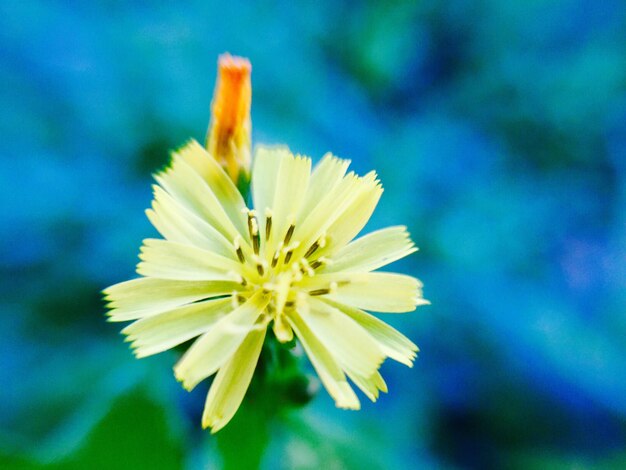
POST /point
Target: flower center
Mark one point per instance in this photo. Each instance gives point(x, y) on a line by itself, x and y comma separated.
point(274, 264)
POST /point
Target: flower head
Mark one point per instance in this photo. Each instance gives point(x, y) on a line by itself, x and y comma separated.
point(226, 272)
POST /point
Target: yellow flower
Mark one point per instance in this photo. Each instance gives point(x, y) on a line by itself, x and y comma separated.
point(226, 272)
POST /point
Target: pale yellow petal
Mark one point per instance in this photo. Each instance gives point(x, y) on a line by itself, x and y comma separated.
point(214, 348)
point(354, 217)
point(147, 296)
point(372, 251)
point(216, 178)
point(370, 386)
point(380, 292)
point(326, 176)
point(393, 343)
point(379, 382)
point(232, 382)
point(326, 211)
point(170, 260)
point(188, 188)
point(264, 177)
point(344, 338)
point(179, 224)
point(163, 331)
point(293, 182)
point(325, 365)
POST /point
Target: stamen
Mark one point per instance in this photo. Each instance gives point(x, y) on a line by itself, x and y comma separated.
point(306, 268)
point(242, 259)
point(320, 261)
point(253, 229)
point(319, 292)
point(289, 234)
point(268, 223)
point(312, 249)
point(277, 253)
point(289, 250)
point(322, 240)
point(316, 264)
point(290, 303)
point(260, 263)
point(253, 226)
point(251, 215)
point(238, 249)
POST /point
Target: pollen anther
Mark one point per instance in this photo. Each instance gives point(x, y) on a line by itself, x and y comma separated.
point(268, 223)
point(312, 249)
point(319, 292)
point(253, 229)
point(289, 233)
point(237, 244)
point(316, 264)
point(306, 268)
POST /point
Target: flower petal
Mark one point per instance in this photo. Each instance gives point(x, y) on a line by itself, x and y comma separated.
point(216, 347)
point(264, 176)
point(325, 365)
point(354, 216)
point(370, 386)
point(380, 292)
point(188, 188)
point(373, 251)
point(147, 296)
point(327, 174)
point(178, 224)
point(392, 343)
point(216, 178)
point(170, 260)
point(344, 338)
point(232, 382)
point(289, 194)
point(165, 330)
point(326, 211)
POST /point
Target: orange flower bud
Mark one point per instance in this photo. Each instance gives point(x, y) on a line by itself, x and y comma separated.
point(228, 139)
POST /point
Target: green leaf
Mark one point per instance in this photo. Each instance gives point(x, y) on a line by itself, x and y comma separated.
point(133, 434)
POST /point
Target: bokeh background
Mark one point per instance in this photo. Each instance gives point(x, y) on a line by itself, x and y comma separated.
point(499, 132)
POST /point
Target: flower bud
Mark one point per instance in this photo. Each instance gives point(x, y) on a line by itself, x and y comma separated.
point(228, 138)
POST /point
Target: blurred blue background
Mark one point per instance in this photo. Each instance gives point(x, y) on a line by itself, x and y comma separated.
point(499, 132)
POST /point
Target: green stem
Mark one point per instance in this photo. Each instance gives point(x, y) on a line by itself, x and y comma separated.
point(278, 385)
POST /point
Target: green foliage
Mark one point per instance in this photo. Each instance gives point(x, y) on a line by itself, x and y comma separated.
point(134, 434)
